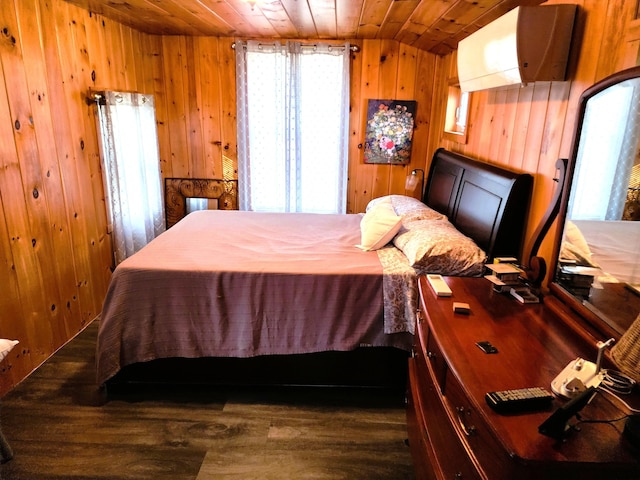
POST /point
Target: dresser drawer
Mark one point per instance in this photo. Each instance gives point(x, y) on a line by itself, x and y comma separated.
point(438, 437)
point(428, 349)
point(421, 451)
point(488, 453)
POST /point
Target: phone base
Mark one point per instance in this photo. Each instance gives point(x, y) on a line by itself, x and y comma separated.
point(576, 377)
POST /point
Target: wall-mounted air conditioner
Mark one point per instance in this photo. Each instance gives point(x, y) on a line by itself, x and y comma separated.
point(526, 45)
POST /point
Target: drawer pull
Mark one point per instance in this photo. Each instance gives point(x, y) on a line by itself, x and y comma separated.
point(458, 475)
point(431, 355)
point(468, 430)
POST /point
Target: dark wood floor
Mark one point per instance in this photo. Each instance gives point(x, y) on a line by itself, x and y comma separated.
point(60, 425)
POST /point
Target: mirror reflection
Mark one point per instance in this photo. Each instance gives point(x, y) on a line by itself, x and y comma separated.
point(599, 258)
point(199, 203)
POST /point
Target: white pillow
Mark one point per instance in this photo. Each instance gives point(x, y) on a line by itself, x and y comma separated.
point(6, 346)
point(378, 226)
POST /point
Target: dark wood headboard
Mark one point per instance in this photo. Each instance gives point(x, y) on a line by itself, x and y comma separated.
point(487, 203)
point(177, 190)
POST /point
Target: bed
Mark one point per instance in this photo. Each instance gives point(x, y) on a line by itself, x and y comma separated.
point(243, 297)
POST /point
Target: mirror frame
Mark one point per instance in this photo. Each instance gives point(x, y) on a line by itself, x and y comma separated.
point(592, 327)
point(177, 190)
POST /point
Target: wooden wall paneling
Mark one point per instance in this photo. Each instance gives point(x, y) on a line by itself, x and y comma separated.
point(55, 253)
point(100, 242)
point(209, 80)
point(590, 53)
point(585, 55)
point(227, 111)
point(59, 275)
point(619, 14)
point(143, 81)
point(58, 105)
point(357, 110)
point(423, 145)
point(99, 58)
point(405, 89)
point(73, 69)
point(631, 55)
point(154, 68)
point(509, 116)
point(26, 212)
point(387, 81)
point(482, 123)
point(438, 95)
point(101, 77)
point(175, 64)
point(128, 58)
point(533, 132)
point(18, 362)
point(520, 127)
point(16, 319)
point(193, 111)
point(116, 55)
point(498, 127)
point(199, 75)
point(544, 186)
point(364, 179)
point(530, 160)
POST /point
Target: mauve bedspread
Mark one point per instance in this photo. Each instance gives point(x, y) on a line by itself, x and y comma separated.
point(241, 284)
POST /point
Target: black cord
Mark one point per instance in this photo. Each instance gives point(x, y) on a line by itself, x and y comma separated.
point(610, 421)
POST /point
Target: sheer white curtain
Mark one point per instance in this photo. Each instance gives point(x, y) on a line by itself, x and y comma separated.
point(130, 170)
point(293, 115)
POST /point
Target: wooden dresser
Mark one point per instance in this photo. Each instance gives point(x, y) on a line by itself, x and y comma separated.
point(454, 434)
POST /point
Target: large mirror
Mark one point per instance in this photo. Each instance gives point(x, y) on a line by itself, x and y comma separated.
point(598, 263)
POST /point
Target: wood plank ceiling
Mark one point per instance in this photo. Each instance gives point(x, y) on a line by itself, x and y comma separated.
point(432, 25)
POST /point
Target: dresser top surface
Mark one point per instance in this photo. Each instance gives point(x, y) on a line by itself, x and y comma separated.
point(533, 347)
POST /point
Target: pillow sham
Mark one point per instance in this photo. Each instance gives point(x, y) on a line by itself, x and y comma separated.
point(438, 247)
point(378, 226)
point(6, 346)
point(409, 208)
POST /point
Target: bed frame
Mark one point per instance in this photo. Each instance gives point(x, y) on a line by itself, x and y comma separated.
point(485, 202)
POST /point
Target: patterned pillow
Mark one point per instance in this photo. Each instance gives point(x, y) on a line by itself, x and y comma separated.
point(438, 247)
point(409, 208)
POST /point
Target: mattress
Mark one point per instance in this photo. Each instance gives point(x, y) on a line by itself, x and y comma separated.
point(243, 284)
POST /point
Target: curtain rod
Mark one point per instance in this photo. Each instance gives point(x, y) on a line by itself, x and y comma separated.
point(353, 48)
point(95, 96)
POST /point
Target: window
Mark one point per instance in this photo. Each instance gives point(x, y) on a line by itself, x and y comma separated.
point(130, 170)
point(457, 113)
point(292, 127)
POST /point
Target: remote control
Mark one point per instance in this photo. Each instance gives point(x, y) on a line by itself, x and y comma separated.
point(438, 285)
point(519, 400)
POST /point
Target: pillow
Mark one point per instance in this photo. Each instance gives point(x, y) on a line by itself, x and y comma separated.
point(6, 346)
point(378, 226)
point(438, 247)
point(575, 246)
point(409, 208)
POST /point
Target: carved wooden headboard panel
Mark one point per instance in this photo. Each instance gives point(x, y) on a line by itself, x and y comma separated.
point(177, 190)
point(488, 203)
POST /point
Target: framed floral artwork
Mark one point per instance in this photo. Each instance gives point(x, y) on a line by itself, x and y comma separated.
point(389, 131)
